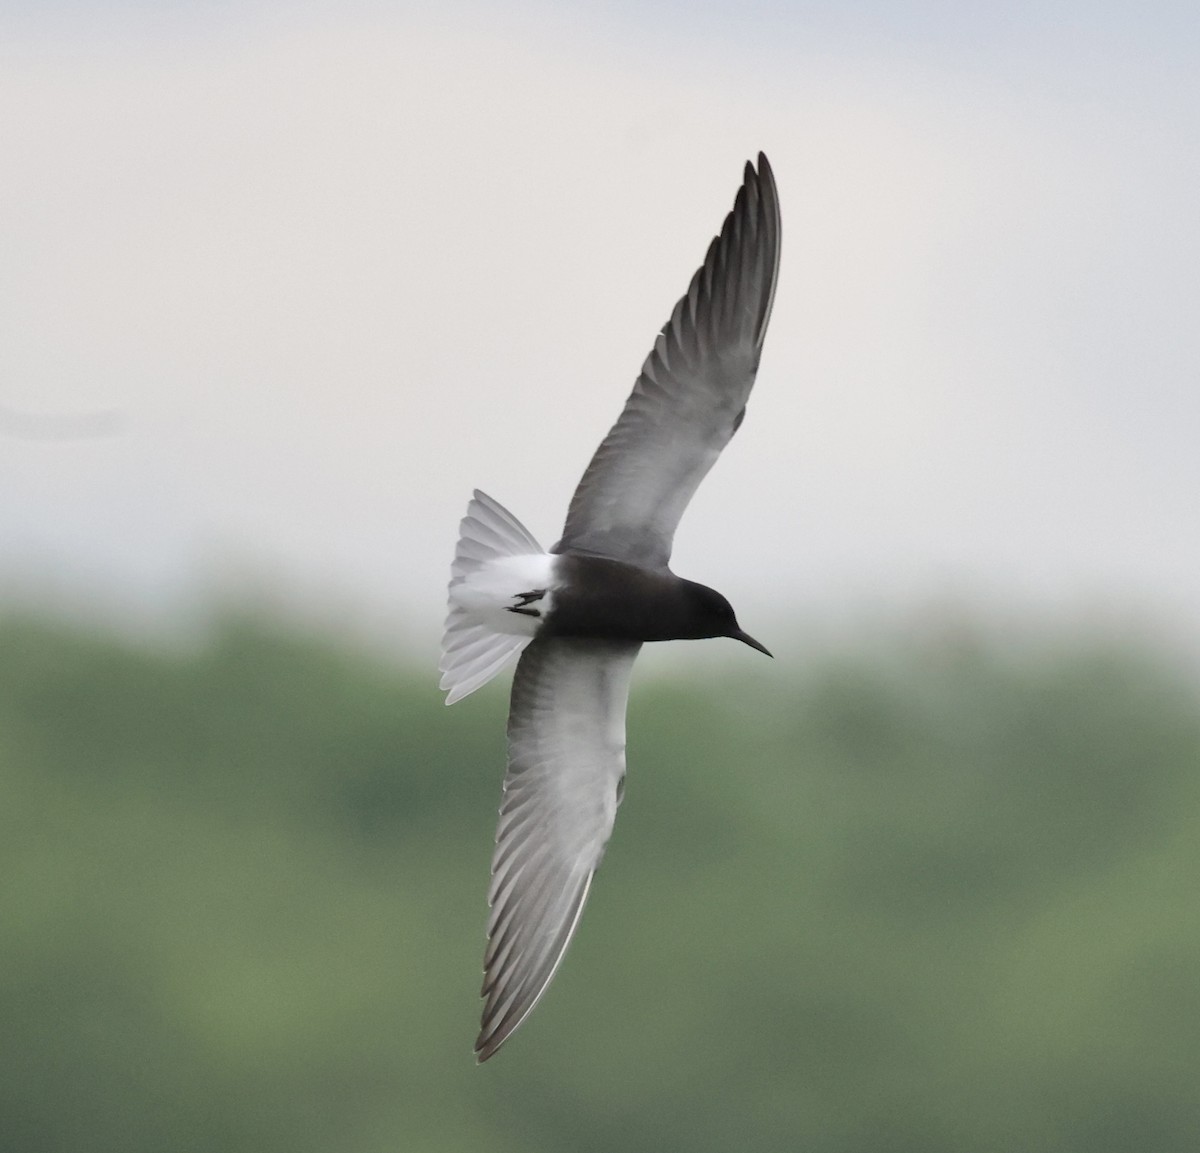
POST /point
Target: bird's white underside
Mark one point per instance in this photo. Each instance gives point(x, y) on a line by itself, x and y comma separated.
point(487, 596)
point(497, 562)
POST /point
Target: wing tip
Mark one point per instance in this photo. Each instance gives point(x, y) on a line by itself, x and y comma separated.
point(504, 1013)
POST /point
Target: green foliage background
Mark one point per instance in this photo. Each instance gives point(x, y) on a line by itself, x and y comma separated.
point(940, 898)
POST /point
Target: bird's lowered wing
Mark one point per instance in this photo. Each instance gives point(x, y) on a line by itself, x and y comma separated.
point(691, 395)
point(566, 762)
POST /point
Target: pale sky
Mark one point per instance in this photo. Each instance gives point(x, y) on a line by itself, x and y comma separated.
point(282, 283)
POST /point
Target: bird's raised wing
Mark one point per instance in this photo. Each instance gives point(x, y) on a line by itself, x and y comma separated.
point(566, 763)
point(691, 395)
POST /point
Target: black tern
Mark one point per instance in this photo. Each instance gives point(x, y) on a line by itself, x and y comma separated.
point(578, 614)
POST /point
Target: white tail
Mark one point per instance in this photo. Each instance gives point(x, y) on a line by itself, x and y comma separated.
point(481, 636)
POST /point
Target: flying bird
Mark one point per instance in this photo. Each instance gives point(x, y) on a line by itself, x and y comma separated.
point(578, 614)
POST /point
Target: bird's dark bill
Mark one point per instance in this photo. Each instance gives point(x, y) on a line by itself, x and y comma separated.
point(747, 639)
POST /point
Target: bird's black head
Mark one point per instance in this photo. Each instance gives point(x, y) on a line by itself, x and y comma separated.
point(712, 616)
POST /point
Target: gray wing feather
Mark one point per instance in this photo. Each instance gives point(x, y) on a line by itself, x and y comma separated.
point(691, 395)
point(566, 761)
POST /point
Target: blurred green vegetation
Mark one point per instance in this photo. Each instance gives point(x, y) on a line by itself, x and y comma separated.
point(940, 898)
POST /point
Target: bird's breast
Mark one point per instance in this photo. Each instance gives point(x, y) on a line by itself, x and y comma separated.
point(613, 600)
